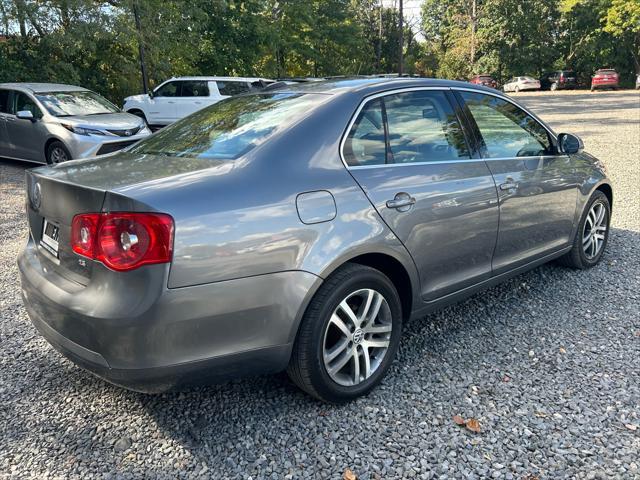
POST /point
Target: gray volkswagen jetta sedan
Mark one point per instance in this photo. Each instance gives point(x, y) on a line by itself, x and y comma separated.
point(298, 229)
point(52, 123)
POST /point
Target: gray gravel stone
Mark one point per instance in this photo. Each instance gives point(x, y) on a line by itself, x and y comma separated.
point(559, 413)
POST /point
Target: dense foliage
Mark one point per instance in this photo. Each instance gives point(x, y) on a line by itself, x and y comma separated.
point(95, 43)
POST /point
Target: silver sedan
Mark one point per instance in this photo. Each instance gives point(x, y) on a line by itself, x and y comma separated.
point(298, 228)
point(51, 123)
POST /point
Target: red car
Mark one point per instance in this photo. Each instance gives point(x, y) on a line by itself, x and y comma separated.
point(604, 78)
point(486, 80)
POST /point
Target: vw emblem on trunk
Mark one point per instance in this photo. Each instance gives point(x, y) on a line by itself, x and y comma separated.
point(36, 195)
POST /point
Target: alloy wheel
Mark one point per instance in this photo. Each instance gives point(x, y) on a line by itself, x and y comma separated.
point(594, 230)
point(58, 155)
point(357, 337)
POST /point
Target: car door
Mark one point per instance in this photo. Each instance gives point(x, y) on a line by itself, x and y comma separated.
point(194, 95)
point(163, 106)
point(4, 112)
point(26, 137)
point(537, 187)
point(409, 153)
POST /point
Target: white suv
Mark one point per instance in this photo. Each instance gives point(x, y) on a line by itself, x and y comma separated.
point(178, 97)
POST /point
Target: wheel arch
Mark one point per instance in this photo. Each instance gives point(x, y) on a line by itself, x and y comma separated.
point(608, 191)
point(49, 141)
point(396, 272)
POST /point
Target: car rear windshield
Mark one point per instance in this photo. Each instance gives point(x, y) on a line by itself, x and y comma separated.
point(230, 128)
point(67, 104)
point(607, 72)
point(485, 77)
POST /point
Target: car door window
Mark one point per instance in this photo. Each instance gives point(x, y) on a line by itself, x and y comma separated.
point(194, 89)
point(5, 95)
point(232, 88)
point(365, 144)
point(167, 90)
point(423, 127)
point(22, 102)
point(506, 130)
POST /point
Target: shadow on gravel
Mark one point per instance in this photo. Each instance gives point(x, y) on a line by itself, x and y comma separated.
point(212, 421)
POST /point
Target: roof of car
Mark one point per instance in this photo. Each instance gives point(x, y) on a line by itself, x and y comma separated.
point(43, 87)
point(226, 79)
point(368, 85)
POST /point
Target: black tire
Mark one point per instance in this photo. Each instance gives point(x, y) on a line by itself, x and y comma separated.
point(57, 153)
point(577, 257)
point(306, 367)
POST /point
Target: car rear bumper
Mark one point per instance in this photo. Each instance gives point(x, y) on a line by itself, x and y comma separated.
point(177, 336)
point(604, 84)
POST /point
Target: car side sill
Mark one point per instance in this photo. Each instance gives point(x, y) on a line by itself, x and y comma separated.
point(439, 303)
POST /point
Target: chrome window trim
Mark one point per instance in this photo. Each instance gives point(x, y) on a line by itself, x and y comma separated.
point(496, 94)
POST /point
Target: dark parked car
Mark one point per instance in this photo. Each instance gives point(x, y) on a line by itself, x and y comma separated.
point(605, 78)
point(486, 80)
point(299, 229)
point(560, 79)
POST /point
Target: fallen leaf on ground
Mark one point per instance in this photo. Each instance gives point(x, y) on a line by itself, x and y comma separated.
point(349, 475)
point(562, 350)
point(631, 426)
point(473, 425)
point(458, 420)
point(506, 379)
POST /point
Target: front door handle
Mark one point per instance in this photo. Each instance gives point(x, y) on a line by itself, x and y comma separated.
point(401, 202)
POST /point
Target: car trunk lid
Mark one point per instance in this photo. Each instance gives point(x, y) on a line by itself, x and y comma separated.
point(51, 206)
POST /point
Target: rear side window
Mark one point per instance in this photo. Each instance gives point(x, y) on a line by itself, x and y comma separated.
point(423, 127)
point(194, 88)
point(4, 101)
point(232, 88)
point(365, 144)
point(409, 127)
point(506, 130)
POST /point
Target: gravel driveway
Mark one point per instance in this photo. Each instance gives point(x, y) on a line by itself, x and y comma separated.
point(548, 363)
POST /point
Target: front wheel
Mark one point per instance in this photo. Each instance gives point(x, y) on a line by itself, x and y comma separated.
point(349, 335)
point(554, 86)
point(57, 153)
point(592, 235)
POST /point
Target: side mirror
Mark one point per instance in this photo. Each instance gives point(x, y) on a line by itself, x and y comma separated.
point(569, 144)
point(150, 94)
point(25, 115)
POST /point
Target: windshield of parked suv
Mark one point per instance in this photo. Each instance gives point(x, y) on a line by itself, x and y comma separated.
point(67, 104)
point(230, 128)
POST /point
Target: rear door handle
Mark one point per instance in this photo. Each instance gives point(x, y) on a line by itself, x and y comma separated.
point(402, 202)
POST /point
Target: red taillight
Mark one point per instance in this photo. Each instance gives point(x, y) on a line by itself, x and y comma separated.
point(123, 241)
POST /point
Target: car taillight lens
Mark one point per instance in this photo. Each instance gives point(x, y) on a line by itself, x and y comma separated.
point(123, 241)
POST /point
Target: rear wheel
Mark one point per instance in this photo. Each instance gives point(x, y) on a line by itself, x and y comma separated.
point(592, 235)
point(349, 335)
point(517, 89)
point(57, 153)
point(554, 86)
